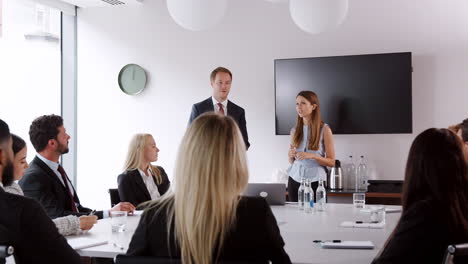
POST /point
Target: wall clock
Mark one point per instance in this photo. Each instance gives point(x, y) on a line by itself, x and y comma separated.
point(132, 79)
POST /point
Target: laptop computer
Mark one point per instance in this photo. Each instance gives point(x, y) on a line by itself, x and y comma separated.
point(274, 193)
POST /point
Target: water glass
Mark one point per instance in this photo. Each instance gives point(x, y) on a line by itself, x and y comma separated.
point(118, 221)
point(377, 214)
point(359, 200)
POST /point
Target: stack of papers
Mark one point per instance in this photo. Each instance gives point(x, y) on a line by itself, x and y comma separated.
point(84, 242)
point(362, 224)
point(348, 244)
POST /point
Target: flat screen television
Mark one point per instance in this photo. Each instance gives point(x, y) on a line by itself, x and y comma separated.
point(358, 94)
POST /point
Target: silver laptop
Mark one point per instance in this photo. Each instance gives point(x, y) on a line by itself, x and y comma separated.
point(274, 193)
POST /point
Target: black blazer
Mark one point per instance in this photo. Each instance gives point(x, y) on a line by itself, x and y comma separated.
point(421, 236)
point(233, 110)
point(255, 236)
point(31, 232)
point(43, 185)
point(132, 189)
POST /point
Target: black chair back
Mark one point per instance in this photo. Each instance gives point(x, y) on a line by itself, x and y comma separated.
point(5, 251)
point(114, 197)
point(456, 254)
point(123, 259)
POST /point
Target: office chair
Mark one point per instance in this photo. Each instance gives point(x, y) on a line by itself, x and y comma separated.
point(455, 252)
point(5, 251)
point(114, 197)
point(123, 259)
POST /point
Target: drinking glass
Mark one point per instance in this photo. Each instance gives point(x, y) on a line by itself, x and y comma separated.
point(359, 200)
point(377, 214)
point(118, 221)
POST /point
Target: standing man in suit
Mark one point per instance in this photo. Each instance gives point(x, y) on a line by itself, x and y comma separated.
point(23, 222)
point(221, 79)
point(46, 181)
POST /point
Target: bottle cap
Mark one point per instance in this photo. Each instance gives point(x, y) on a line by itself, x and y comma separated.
point(337, 163)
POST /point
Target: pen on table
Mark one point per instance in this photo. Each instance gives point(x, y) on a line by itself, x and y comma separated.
point(363, 222)
point(323, 241)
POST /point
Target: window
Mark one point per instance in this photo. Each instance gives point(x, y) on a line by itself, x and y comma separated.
point(30, 64)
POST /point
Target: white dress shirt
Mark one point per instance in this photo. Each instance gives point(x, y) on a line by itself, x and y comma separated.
point(216, 106)
point(150, 184)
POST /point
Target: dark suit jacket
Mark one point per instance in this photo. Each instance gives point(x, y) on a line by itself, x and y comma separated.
point(132, 189)
point(422, 236)
point(255, 236)
point(31, 232)
point(233, 110)
point(43, 185)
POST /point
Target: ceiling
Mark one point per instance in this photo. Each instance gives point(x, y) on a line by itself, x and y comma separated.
point(102, 3)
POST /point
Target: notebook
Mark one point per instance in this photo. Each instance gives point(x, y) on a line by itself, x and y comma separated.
point(348, 244)
point(85, 242)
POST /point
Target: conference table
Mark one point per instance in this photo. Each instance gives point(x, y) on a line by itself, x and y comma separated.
point(298, 229)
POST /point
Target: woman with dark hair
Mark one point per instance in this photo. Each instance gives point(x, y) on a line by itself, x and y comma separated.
point(19, 163)
point(311, 148)
point(435, 201)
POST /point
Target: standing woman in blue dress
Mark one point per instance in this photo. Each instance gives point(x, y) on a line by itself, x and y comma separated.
point(312, 148)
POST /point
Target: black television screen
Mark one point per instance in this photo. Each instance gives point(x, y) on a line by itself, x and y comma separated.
point(358, 94)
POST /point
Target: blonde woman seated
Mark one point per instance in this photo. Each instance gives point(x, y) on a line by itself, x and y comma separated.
point(141, 181)
point(67, 225)
point(205, 219)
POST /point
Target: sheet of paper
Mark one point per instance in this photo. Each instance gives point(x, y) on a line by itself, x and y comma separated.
point(349, 244)
point(84, 242)
point(362, 225)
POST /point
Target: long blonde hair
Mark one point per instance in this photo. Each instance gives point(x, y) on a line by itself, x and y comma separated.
point(136, 152)
point(315, 125)
point(210, 174)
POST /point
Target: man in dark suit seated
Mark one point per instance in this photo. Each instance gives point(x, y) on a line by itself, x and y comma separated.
point(24, 224)
point(221, 79)
point(46, 181)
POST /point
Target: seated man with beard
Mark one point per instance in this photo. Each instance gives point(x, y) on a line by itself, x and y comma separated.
point(46, 181)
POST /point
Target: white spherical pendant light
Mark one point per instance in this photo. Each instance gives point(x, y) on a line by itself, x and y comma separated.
point(197, 15)
point(317, 16)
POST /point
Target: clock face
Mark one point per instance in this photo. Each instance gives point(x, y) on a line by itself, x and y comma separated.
point(132, 79)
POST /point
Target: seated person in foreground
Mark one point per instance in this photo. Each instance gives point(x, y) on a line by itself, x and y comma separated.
point(141, 181)
point(205, 220)
point(67, 225)
point(435, 201)
point(23, 222)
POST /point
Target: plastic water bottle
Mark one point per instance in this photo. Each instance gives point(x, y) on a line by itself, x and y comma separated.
point(308, 198)
point(321, 197)
point(300, 195)
point(351, 174)
point(362, 175)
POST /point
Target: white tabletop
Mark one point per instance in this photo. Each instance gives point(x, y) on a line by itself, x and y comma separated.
point(298, 230)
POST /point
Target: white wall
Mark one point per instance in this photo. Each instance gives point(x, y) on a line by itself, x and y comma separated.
point(252, 34)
